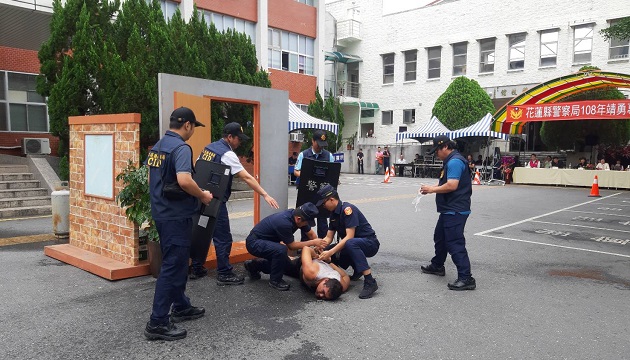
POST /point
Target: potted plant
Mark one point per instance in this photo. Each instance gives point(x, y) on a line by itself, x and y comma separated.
point(134, 197)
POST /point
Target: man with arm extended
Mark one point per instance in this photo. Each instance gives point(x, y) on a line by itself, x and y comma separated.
point(328, 281)
point(222, 151)
point(270, 239)
point(453, 193)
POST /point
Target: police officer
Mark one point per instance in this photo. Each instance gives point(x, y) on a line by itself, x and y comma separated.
point(315, 152)
point(453, 203)
point(170, 162)
point(358, 239)
point(222, 151)
point(264, 241)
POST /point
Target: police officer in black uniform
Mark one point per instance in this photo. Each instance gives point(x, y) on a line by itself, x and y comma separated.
point(264, 242)
point(358, 239)
point(170, 163)
point(453, 203)
point(316, 152)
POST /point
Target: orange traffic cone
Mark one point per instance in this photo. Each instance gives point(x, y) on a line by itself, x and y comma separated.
point(386, 180)
point(595, 188)
point(392, 171)
point(477, 179)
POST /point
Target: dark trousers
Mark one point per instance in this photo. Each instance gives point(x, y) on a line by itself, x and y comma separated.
point(222, 238)
point(449, 239)
point(361, 167)
point(175, 238)
point(322, 228)
point(355, 253)
point(386, 165)
point(274, 259)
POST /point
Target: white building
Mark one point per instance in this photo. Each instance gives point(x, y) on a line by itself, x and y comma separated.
point(410, 51)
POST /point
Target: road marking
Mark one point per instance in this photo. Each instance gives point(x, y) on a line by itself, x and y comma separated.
point(27, 239)
point(558, 246)
point(543, 215)
point(596, 213)
point(615, 204)
point(581, 226)
point(26, 218)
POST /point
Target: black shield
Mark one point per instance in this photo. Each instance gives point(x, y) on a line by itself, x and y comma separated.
point(313, 176)
point(213, 177)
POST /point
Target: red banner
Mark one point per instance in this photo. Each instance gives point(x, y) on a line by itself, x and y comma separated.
point(579, 110)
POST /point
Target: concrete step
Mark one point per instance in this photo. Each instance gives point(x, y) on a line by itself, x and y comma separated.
point(18, 212)
point(21, 193)
point(22, 184)
point(24, 202)
point(12, 168)
point(15, 176)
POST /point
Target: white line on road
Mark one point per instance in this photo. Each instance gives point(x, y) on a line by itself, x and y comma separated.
point(543, 215)
point(596, 213)
point(559, 246)
point(582, 226)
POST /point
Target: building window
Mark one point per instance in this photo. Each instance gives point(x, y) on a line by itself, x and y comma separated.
point(224, 22)
point(582, 44)
point(459, 58)
point(388, 117)
point(21, 107)
point(388, 68)
point(168, 8)
point(411, 60)
point(409, 116)
point(291, 52)
point(307, 2)
point(548, 47)
point(303, 107)
point(517, 51)
point(367, 113)
point(618, 48)
point(402, 128)
point(486, 55)
point(435, 56)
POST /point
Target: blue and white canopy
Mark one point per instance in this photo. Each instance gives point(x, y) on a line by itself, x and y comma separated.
point(479, 129)
point(298, 119)
point(426, 132)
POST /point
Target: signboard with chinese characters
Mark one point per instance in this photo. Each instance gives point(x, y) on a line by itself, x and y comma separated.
point(313, 176)
point(579, 110)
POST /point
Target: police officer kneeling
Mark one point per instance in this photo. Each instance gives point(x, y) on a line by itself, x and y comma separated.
point(452, 198)
point(264, 241)
point(170, 165)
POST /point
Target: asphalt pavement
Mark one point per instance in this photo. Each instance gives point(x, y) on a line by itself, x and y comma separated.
point(553, 282)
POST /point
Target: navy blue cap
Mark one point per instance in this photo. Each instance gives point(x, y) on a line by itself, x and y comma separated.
point(437, 142)
point(308, 212)
point(324, 193)
point(235, 129)
point(184, 114)
point(320, 137)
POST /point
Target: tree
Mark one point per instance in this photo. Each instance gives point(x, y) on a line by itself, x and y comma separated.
point(102, 58)
point(619, 31)
point(462, 104)
point(329, 110)
point(567, 134)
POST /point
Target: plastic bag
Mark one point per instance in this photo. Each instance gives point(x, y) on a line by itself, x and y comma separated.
point(416, 201)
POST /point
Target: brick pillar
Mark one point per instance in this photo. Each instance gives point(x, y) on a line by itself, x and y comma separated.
point(98, 224)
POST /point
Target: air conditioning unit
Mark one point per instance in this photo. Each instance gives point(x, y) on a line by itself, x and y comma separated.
point(35, 146)
point(296, 137)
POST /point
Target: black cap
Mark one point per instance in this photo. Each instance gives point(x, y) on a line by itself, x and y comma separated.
point(437, 142)
point(324, 193)
point(308, 212)
point(184, 114)
point(235, 129)
point(320, 137)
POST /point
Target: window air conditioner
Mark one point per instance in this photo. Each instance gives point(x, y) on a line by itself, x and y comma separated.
point(35, 146)
point(296, 137)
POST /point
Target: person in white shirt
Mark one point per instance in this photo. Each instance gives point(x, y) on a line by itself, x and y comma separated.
point(533, 162)
point(602, 165)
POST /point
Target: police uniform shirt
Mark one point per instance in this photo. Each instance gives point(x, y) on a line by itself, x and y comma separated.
point(347, 216)
point(181, 162)
point(278, 227)
point(298, 163)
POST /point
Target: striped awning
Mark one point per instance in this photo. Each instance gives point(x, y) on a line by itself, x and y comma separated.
point(298, 119)
point(341, 57)
point(426, 132)
point(479, 129)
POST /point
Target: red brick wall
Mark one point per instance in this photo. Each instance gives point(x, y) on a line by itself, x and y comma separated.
point(10, 139)
point(293, 16)
point(20, 60)
point(242, 9)
point(301, 87)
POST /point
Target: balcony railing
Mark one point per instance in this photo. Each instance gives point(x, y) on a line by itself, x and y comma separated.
point(342, 88)
point(349, 30)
